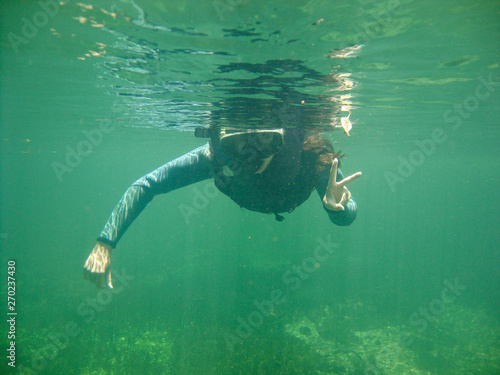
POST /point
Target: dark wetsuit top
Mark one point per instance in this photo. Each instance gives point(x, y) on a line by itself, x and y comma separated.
point(195, 166)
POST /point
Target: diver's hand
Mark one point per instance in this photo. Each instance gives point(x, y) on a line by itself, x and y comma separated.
point(337, 195)
point(97, 268)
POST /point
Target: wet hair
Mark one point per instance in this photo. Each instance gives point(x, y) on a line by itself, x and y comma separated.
point(318, 154)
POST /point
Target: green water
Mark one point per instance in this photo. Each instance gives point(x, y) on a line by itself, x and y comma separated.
point(411, 287)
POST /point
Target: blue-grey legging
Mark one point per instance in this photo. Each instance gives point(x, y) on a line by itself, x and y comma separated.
point(188, 169)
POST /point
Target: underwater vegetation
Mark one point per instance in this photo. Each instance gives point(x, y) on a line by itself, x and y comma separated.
point(99, 352)
point(323, 341)
point(461, 341)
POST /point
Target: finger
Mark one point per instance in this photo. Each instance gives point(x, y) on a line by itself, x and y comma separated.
point(108, 278)
point(98, 280)
point(94, 278)
point(333, 172)
point(345, 197)
point(349, 179)
point(337, 207)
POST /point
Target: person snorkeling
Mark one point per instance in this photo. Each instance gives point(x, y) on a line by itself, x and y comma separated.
point(270, 171)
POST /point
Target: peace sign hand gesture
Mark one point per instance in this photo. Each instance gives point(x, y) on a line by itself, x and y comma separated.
point(337, 195)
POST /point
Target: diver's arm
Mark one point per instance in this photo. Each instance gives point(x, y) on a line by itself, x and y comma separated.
point(342, 211)
point(188, 169)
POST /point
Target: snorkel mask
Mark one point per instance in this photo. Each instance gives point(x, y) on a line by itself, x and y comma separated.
point(247, 145)
point(255, 144)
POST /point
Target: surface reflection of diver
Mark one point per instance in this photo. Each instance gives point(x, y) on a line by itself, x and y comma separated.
point(268, 171)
